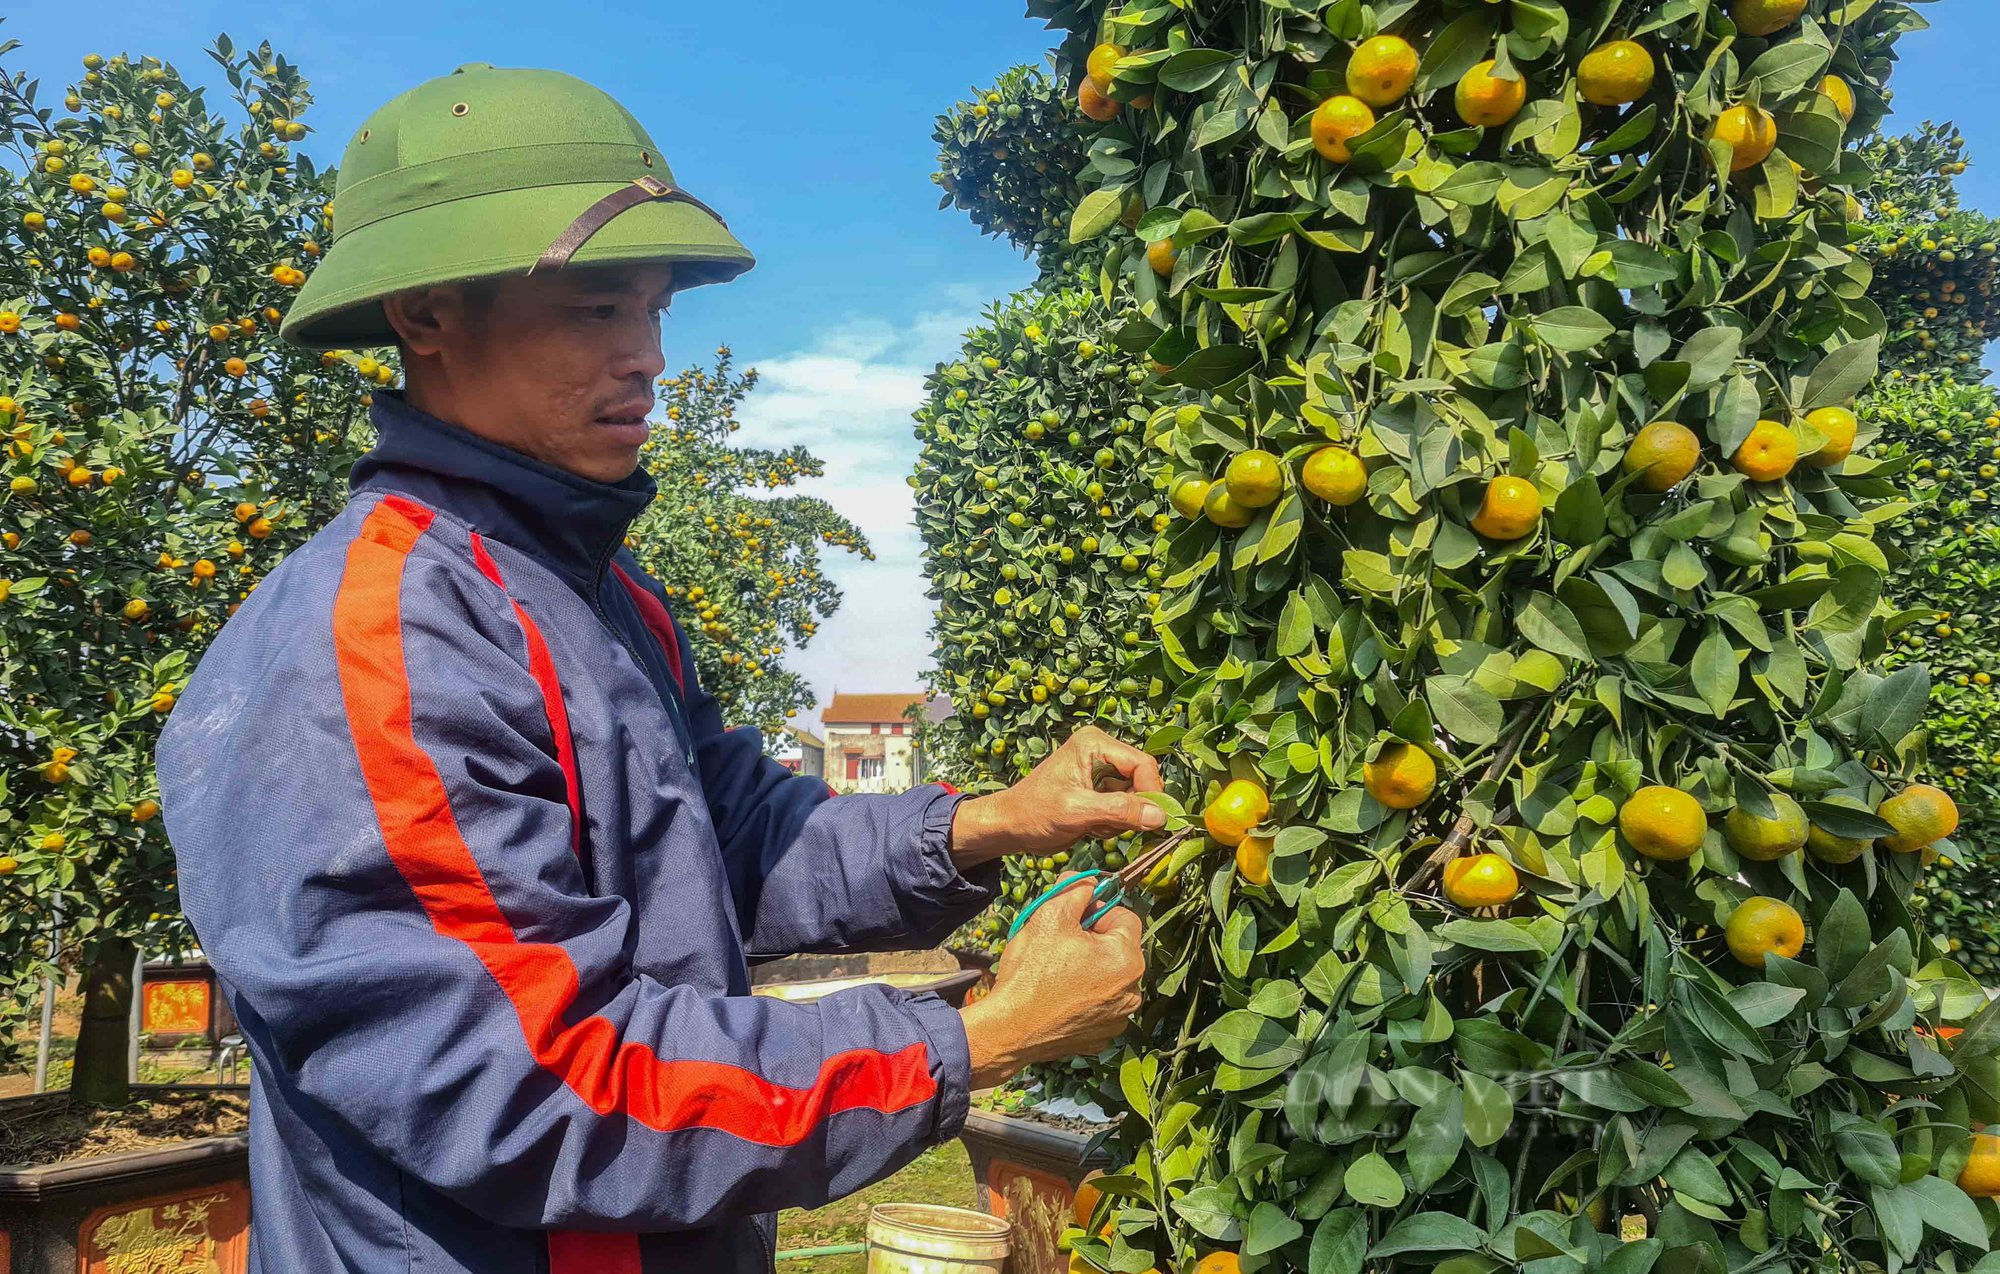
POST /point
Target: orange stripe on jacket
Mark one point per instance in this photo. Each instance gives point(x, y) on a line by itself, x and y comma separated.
point(542, 667)
point(539, 979)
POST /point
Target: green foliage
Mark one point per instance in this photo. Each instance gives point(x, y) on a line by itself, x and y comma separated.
point(1022, 441)
point(1936, 264)
point(1038, 516)
point(745, 567)
point(1343, 1068)
point(1928, 408)
point(152, 479)
point(1009, 158)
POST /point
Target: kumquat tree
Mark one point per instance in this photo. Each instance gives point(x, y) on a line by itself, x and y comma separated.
point(164, 450)
point(745, 566)
point(1009, 158)
point(1039, 522)
point(1937, 265)
point(1038, 510)
point(1551, 821)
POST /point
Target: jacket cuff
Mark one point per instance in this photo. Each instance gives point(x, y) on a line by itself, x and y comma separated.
point(951, 1066)
point(937, 879)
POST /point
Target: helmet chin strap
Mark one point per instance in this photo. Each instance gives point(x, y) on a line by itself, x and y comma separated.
point(592, 219)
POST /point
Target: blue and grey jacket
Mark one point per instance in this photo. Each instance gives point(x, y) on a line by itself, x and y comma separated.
point(480, 868)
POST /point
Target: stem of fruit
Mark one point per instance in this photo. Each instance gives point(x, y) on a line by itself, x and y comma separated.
point(1461, 832)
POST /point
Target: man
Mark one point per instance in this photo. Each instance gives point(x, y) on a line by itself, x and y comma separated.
point(468, 842)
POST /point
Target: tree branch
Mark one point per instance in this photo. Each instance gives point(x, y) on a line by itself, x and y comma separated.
point(1461, 832)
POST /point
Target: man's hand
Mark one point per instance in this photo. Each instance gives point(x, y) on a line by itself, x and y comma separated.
point(1087, 787)
point(1060, 990)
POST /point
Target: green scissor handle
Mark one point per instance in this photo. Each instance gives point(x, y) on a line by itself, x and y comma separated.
point(1103, 879)
point(1109, 891)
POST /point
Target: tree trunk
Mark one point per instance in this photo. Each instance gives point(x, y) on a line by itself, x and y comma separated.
point(103, 1043)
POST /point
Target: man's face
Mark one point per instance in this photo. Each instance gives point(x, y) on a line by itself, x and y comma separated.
point(560, 366)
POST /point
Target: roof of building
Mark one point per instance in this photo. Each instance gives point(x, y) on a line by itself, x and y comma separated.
point(869, 709)
point(806, 738)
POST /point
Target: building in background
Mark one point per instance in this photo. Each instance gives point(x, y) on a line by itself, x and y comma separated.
point(804, 753)
point(870, 740)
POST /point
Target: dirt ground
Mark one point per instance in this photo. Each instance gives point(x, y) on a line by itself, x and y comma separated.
point(35, 1135)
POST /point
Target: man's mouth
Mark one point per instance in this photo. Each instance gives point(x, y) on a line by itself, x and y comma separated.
point(625, 417)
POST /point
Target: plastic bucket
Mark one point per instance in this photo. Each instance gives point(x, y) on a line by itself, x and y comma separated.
point(927, 1238)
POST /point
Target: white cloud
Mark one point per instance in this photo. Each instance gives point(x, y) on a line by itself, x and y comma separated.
point(848, 397)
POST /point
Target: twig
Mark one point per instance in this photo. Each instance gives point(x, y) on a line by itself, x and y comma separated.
point(1461, 832)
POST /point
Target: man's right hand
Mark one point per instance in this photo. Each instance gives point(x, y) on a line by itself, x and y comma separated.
point(1060, 990)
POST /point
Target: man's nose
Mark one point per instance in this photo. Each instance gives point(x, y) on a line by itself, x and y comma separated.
point(641, 353)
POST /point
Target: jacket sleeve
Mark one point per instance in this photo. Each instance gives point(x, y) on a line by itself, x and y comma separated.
point(813, 872)
point(375, 850)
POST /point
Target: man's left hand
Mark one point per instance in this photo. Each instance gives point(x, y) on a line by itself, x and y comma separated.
point(1087, 787)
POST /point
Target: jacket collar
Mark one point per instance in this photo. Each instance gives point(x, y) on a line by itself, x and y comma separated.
point(573, 523)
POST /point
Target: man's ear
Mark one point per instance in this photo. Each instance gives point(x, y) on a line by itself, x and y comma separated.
point(425, 318)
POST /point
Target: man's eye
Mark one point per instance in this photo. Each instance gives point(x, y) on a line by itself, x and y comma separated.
point(606, 312)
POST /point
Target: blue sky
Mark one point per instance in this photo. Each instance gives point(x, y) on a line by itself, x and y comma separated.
point(808, 126)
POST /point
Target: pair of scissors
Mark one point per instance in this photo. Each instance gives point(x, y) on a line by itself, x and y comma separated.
point(1111, 887)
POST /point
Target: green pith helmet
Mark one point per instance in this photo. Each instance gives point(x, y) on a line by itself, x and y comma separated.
point(498, 171)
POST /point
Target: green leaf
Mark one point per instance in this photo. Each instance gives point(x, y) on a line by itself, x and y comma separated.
point(1295, 629)
point(1551, 625)
point(1437, 1133)
point(1239, 942)
point(1845, 820)
point(1473, 185)
point(1193, 70)
point(1279, 1000)
point(1340, 1243)
point(1811, 138)
point(1489, 1110)
point(1896, 705)
point(1429, 1232)
point(1135, 1077)
point(1765, 1003)
point(1372, 1181)
point(1097, 213)
point(1948, 1209)
point(1626, 136)
point(1842, 938)
point(1850, 602)
point(1500, 365)
point(1653, 1084)
point(1715, 671)
point(1785, 69)
point(1866, 1150)
point(1875, 973)
point(1502, 935)
point(1464, 709)
point(1571, 328)
point(1454, 50)
point(1269, 1229)
point(1579, 513)
point(1709, 355)
point(1636, 1257)
point(1212, 368)
point(1842, 374)
point(1250, 1039)
point(1468, 292)
point(1208, 1211)
point(1693, 1173)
